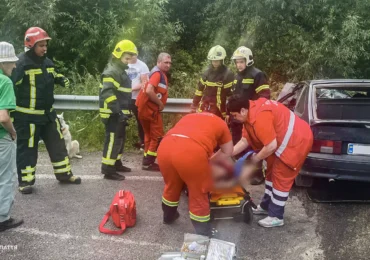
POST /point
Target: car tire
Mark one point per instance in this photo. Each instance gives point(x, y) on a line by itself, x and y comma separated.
point(303, 181)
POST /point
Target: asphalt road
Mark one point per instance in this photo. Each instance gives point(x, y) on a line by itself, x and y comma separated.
point(61, 222)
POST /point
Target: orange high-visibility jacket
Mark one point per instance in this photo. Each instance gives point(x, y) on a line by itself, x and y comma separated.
point(293, 135)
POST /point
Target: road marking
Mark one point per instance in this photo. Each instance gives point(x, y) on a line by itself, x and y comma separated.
point(37, 232)
point(100, 177)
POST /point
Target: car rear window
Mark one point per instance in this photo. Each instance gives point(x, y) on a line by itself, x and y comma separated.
point(343, 103)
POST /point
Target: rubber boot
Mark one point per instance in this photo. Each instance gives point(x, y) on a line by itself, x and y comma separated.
point(170, 214)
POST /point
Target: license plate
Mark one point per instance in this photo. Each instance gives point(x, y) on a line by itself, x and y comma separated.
point(362, 149)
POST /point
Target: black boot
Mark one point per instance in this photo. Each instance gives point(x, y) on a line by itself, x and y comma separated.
point(121, 168)
point(110, 173)
point(170, 214)
point(10, 223)
point(202, 228)
point(149, 164)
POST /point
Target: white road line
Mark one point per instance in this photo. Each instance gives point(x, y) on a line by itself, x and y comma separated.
point(100, 177)
point(37, 232)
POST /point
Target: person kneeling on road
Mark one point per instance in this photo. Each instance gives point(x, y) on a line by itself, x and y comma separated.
point(183, 158)
point(284, 141)
point(114, 103)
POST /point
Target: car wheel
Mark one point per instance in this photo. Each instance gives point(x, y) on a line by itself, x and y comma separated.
point(303, 181)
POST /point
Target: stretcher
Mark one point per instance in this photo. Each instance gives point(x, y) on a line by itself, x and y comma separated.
point(234, 203)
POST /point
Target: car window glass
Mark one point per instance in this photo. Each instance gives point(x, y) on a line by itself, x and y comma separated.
point(301, 101)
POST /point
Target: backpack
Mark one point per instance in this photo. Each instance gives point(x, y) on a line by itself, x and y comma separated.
point(123, 213)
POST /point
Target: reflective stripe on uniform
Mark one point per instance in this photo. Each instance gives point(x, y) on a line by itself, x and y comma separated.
point(219, 98)
point(199, 218)
point(63, 170)
point(110, 145)
point(278, 202)
point(248, 81)
point(62, 163)
point(125, 111)
point(103, 115)
point(50, 70)
point(202, 81)
point(287, 136)
point(262, 87)
point(110, 99)
point(58, 128)
point(235, 81)
point(105, 110)
point(199, 93)
point(213, 84)
point(32, 74)
point(111, 80)
point(31, 140)
point(228, 85)
point(107, 161)
point(117, 85)
point(170, 203)
point(128, 90)
point(29, 111)
point(29, 171)
point(151, 153)
point(119, 157)
point(19, 82)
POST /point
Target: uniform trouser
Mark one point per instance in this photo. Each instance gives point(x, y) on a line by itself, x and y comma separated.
point(183, 161)
point(115, 137)
point(8, 175)
point(153, 132)
point(139, 126)
point(28, 136)
point(279, 181)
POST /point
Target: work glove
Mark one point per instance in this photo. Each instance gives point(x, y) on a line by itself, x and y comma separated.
point(240, 162)
point(64, 82)
point(123, 118)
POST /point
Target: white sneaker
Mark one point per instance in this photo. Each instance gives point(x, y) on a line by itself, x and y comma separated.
point(259, 211)
point(271, 222)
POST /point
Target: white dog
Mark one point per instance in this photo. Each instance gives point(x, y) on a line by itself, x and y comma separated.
point(73, 147)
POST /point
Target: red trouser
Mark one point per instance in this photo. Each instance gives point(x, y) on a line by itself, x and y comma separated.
point(279, 181)
point(182, 160)
point(153, 131)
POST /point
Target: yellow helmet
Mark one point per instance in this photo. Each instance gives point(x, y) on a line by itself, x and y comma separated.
point(216, 53)
point(124, 46)
point(243, 53)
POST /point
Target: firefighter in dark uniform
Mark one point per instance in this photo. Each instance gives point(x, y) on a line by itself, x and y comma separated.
point(34, 116)
point(115, 102)
point(252, 84)
point(215, 85)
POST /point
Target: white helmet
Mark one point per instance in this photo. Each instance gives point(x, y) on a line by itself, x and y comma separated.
point(243, 53)
point(216, 53)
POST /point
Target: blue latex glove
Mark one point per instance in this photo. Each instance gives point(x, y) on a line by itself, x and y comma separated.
point(239, 164)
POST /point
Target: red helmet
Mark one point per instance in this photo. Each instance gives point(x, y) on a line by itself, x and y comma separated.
point(33, 35)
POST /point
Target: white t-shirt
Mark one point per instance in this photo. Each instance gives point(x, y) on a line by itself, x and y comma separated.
point(134, 72)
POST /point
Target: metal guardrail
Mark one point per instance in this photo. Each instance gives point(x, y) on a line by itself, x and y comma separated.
point(91, 103)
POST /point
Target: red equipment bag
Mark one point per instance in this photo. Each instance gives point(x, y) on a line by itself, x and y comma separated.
point(123, 213)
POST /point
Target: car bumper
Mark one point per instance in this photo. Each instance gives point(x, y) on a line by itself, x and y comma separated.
point(338, 167)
